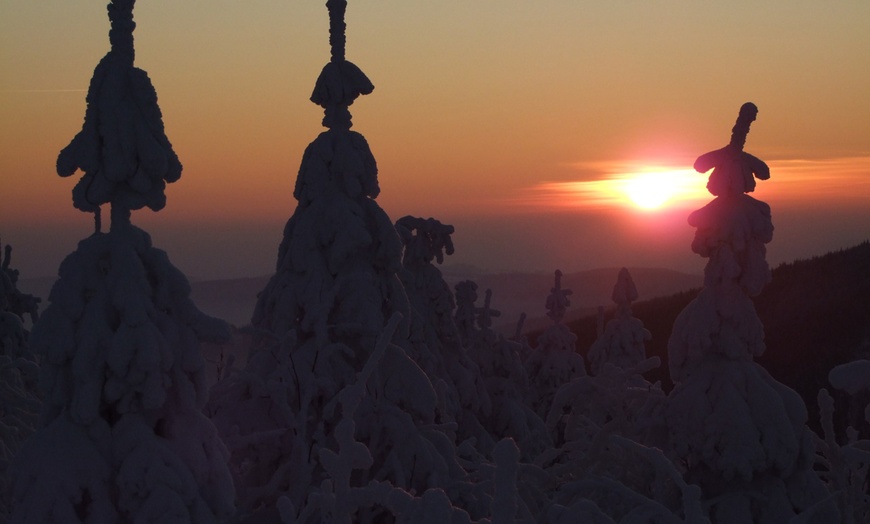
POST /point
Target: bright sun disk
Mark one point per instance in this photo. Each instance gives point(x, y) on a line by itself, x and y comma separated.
point(647, 191)
point(652, 190)
point(645, 188)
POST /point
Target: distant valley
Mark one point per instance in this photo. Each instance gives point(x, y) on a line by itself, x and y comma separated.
point(512, 293)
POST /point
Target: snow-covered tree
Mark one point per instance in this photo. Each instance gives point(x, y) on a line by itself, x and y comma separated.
point(554, 361)
point(740, 434)
point(621, 342)
point(122, 436)
point(434, 342)
point(329, 403)
point(602, 425)
point(14, 307)
point(122, 149)
point(19, 373)
point(843, 461)
point(15, 303)
point(338, 263)
point(502, 372)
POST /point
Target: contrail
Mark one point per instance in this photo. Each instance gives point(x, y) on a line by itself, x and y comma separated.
point(43, 90)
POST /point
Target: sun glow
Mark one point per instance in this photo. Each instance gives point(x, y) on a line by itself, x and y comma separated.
point(647, 191)
point(644, 188)
point(656, 189)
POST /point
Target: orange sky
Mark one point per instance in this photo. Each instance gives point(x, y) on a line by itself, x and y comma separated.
point(481, 112)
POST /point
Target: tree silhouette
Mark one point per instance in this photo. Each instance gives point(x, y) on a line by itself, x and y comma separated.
point(122, 436)
point(122, 147)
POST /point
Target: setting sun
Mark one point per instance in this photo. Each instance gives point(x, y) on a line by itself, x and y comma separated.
point(656, 189)
point(639, 187)
point(647, 191)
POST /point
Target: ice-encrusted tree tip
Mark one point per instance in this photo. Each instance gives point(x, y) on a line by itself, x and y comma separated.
point(734, 170)
point(340, 82)
point(122, 147)
point(732, 230)
point(339, 160)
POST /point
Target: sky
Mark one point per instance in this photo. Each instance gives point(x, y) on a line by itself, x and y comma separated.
point(529, 126)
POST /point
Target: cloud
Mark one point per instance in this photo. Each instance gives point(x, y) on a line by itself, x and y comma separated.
point(618, 184)
point(628, 184)
point(844, 179)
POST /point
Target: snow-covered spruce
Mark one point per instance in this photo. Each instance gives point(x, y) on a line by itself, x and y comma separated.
point(505, 378)
point(622, 340)
point(329, 403)
point(607, 429)
point(19, 373)
point(555, 360)
point(339, 258)
point(740, 433)
point(616, 396)
point(122, 430)
point(122, 434)
point(843, 461)
point(434, 342)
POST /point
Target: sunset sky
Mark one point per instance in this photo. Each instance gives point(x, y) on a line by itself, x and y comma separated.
point(520, 122)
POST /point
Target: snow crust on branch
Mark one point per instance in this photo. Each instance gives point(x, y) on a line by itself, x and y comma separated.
point(734, 170)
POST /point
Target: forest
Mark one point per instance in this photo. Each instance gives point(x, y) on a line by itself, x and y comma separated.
point(369, 390)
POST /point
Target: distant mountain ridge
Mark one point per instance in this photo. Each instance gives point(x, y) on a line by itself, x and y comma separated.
point(816, 312)
point(512, 293)
point(517, 293)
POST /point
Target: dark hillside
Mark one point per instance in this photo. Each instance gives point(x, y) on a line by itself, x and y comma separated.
point(816, 315)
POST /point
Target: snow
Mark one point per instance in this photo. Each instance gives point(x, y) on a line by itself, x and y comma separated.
point(120, 366)
point(621, 342)
point(741, 434)
point(555, 360)
point(19, 373)
point(372, 391)
point(123, 382)
point(122, 147)
point(852, 377)
point(734, 170)
point(333, 326)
